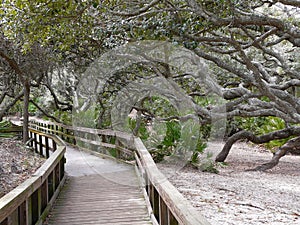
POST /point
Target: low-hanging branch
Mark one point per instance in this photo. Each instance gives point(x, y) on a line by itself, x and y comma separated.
point(11, 104)
point(280, 134)
point(45, 113)
point(292, 145)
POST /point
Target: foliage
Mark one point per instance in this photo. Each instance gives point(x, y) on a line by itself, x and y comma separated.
point(87, 118)
point(199, 150)
point(207, 164)
point(63, 116)
point(261, 126)
point(251, 124)
point(142, 131)
point(272, 124)
point(170, 141)
point(17, 108)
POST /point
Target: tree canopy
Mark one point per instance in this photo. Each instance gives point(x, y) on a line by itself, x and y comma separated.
point(251, 47)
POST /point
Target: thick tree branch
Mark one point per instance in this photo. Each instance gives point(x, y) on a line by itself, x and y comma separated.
point(136, 12)
point(45, 113)
point(280, 134)
point(292, 145)
point(11, 104)
point(295, 3)
point(14, 65)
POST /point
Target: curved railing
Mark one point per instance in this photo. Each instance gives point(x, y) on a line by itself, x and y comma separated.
point(166, 205)
point(30, 202)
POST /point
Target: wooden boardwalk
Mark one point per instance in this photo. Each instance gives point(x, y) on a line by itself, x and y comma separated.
point(99, 191)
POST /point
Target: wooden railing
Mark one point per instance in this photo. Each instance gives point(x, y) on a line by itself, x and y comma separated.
point(165, 204)
point(169, 207)
point(107, 142)
point(30, 202)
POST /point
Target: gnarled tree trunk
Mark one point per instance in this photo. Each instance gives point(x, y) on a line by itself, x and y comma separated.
point(287, 147)
point(291, 145)
point(26, 85)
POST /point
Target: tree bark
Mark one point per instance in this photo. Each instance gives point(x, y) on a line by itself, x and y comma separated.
point(26, 85)
point(280, 134)
point(287, 147)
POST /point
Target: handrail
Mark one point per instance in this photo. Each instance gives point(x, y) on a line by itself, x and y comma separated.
point(167, 205)
point(114, 143)
point(30, 202)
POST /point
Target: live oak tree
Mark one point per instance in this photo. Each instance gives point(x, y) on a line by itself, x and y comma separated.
point(20, 72)
point(252, 47)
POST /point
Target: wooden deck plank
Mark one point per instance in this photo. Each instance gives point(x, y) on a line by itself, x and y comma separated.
point(92, 197)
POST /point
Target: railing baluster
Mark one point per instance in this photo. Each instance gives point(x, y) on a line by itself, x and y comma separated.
point(172, 219)
point(23, 213)
point(155, 199)
point(47, 147)
point(56, 177)
point(35, 143)
point(54, 146)
point(4, 222)
point(50, 182)
point(163, 212)
point(44, 196)
point(62, 168)
point(41, 144)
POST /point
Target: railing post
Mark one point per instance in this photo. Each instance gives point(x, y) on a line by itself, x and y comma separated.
point(172, 219)
point(155, 202)
point(34, 207)
point(52, 129)
point(41, 144)
point(57, 130)
point(29, 211)
point(44, 196)
point(45, 128)
point(54, 145)
point(62, 168)
point(118, 146)
point(23, 213)
point(62, 133)
point(56, 177)
point(35, 142)
point(30, 137)
point(50, 182)
point(67, 139)
point(163, 212)
point(47, 147)
point(4, 222)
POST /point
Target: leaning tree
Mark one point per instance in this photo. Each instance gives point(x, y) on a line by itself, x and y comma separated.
point(19, 73)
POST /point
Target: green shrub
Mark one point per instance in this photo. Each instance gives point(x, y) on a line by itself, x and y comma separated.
point(272, 124)
point(142, 132)
point(207, 164)
point(199, 150)
point(261, 126)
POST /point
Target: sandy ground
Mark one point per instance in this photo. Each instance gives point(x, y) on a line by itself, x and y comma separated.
point(235, 196)
point(16, 164)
